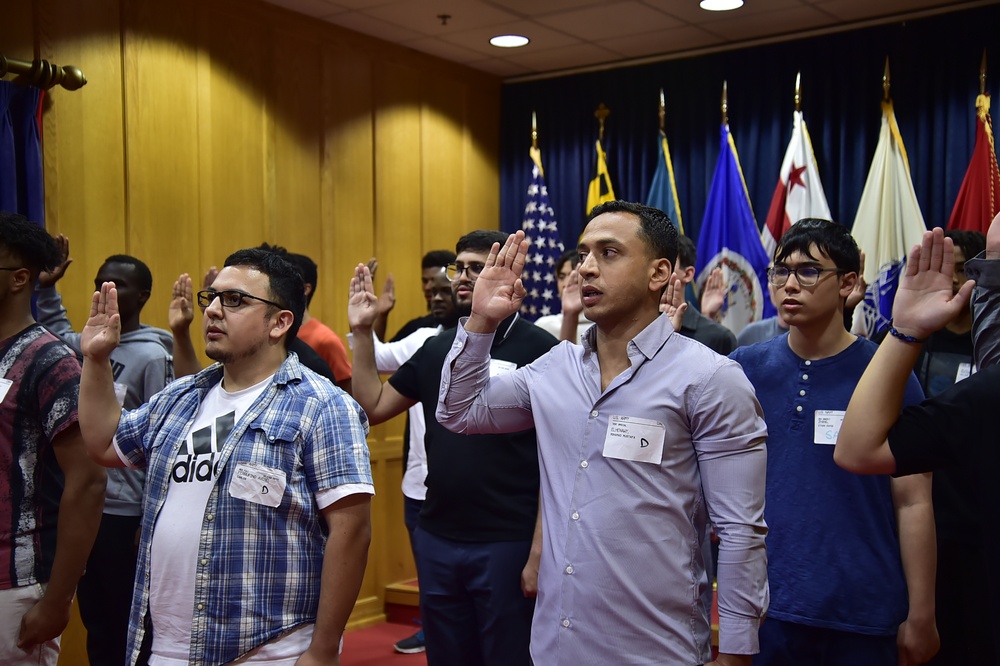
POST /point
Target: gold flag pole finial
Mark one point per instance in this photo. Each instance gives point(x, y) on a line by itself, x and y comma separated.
point(798, 91)
point(885, 81)
point(662, 113)
point(982, 74)
point(601, 114)
point(725, 103)
point(534, 131)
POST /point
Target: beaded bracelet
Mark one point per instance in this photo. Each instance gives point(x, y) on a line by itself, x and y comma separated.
point(902, 336)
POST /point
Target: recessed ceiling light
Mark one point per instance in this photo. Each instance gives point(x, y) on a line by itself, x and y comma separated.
point(509, 41)
point(721, 5)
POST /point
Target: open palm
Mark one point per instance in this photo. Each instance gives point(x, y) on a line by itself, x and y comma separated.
point(104, 326)
point(924, 302)
point(498, 292)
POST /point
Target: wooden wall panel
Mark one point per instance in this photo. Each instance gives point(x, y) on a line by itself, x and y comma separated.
point(209, 125)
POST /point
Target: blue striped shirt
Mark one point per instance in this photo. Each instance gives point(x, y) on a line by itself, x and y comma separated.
point(259, 567)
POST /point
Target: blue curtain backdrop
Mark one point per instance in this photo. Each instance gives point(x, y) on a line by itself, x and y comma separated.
point(934, 68)
point(21, 188)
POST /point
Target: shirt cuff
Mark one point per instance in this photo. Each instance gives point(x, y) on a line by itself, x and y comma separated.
point(325, 498)
point(738, 635)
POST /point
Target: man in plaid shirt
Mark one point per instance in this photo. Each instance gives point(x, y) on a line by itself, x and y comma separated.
point(256, 514)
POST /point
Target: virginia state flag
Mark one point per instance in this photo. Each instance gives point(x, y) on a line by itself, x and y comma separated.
point(888, 224)
point(540, 229)
point(600, 189)
point(979, 196)
point(663, 189)
point(799, 193)
point(729, 239)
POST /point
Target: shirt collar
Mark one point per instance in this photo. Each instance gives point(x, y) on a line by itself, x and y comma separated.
point(648, 341)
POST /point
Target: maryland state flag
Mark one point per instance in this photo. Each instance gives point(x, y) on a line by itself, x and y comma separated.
point(729, 239)
point(600, 189)
point(663, 189)
point(540, 229)
point(799, 193)
point(888, 224)
point(978, 199)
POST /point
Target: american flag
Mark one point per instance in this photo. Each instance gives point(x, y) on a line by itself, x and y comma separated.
point(542, 232)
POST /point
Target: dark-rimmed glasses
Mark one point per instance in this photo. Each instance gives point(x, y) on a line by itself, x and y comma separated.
point(230, 298)
point(454, 270)
point(806, 276)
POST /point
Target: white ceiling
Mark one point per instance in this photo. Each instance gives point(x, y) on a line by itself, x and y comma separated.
point(569, 34)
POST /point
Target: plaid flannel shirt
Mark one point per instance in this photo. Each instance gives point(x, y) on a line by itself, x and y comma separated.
point(259, 567)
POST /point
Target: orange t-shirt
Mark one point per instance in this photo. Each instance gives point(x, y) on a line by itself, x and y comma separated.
point(328, 345)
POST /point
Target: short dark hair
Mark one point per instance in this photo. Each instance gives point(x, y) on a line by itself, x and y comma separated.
point(286, 286)
point(832, 239)
point(655, 228)
point(142, 272)
point(572, 256)
point(29, 243)
point(307, 269)
point(437, 259)
point(687, 253)
point(480, 240)
point(971, 242)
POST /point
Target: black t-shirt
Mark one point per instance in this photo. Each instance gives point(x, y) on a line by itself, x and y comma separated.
point(479, 487)
point(309, 358)
point(958, 427)
point(427, 321)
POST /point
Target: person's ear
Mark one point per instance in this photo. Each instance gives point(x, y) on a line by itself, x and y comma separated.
point(660, 274)
point(848, 281)
point(282, 324)
point(308, 290)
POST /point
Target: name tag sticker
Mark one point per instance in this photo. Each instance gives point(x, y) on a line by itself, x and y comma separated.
point(630, 438)
point(827, 426)
point(498, 367)
point(5, 385)
point(964, 372)
point(257, 484)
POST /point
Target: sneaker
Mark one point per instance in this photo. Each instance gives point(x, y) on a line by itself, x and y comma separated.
point(411, 645)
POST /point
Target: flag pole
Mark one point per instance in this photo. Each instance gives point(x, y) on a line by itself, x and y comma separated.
point(662, 112)
point(534, 131)
point(601, 114)
point(982, 74)
point(885, 81)
point(798, 91)
point(725, 103)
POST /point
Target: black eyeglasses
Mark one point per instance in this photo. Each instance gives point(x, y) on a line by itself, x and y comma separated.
point(454, 270)
point(806, 276)
point(230, 298)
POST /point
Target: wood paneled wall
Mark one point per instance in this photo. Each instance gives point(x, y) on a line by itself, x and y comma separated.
point(211, 125)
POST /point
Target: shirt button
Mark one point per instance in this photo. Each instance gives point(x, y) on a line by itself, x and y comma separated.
point(585, 464)
point(210, 516)
point(809, 362)
point(594, 414)
point(575, 516)
point(805, 376)
point(565, 623)
point(798, 408)
point(204, 561)
point(201, 606)
point(802, 392)
point(569, 569)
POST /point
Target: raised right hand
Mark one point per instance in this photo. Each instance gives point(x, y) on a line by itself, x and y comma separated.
point(362, 303)
point(49, 278)
point(713, 296)
point(180, 314)
point(103, 330)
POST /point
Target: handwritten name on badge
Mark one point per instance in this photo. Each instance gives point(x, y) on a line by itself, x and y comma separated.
point(258, 484)
point(498, 367)
point(631, 438)
point(827, 424)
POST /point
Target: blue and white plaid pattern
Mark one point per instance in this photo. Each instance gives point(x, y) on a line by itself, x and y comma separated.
point(264, 564)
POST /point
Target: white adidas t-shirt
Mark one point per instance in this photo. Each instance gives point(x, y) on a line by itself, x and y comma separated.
point(174, 550)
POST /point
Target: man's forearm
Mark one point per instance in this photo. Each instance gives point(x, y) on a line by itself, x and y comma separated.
point(99, 411)
point(918, 548)
point(874, 408)
point(79, 518)
point(344, 562)
point(366, 383)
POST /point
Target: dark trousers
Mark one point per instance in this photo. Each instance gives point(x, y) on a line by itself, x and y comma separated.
point(471, 602)
point(784, 643)
point(963, 605)
point(105, 591)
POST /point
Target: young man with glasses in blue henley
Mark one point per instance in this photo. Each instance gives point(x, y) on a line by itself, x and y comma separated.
point(256, 522)
point(850, 558)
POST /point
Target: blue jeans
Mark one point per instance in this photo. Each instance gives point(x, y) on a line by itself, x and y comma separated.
point(471, 602)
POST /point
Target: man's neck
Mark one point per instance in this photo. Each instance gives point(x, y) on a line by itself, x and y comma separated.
point(131, 325)
point(820, 341)
point(15, 318)
point(612, 344)
point(306, 316)
point(247, 372)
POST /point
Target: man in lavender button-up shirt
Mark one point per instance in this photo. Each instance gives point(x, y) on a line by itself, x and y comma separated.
point(643, 435)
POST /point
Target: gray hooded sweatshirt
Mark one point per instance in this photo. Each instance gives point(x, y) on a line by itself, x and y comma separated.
point(142, 365)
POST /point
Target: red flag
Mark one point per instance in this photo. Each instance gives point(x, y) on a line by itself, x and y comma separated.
point(979, 196)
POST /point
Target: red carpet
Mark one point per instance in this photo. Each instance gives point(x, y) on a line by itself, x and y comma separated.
point(373, 647)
